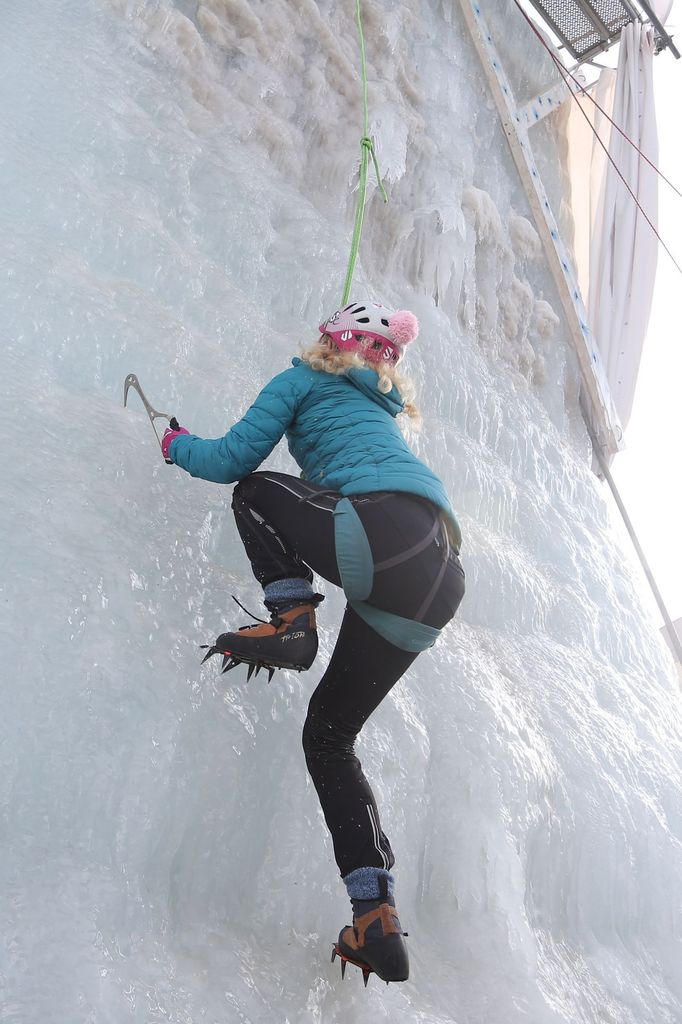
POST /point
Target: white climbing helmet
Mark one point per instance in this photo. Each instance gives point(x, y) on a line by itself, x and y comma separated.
point(387, 332)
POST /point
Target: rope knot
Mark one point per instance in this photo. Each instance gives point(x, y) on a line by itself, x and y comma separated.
point(366, 149)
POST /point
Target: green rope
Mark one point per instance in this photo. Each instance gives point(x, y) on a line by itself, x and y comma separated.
point(366, 148)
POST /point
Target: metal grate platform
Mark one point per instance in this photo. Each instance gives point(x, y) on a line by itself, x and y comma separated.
point(587, 27)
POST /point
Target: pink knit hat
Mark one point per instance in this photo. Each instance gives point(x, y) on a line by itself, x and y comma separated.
point(388, 332)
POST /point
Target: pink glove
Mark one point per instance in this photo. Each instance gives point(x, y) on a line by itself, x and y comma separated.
point(169, 435)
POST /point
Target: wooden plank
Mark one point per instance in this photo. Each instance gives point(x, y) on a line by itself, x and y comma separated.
point(547, 102)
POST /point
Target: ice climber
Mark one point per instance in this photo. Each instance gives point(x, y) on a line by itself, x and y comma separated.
point(368, 516)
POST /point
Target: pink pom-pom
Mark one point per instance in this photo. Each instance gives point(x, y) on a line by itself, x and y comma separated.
point(404, 326)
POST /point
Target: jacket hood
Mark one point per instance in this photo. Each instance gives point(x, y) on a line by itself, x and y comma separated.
point(366, 380)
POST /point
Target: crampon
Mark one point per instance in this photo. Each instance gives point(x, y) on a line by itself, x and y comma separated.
point(230, 662)
point(288, 640)
point(365, 968)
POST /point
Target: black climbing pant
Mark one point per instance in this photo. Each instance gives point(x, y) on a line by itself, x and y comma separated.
point(287, 527)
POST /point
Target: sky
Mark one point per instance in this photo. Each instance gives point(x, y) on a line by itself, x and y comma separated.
point(648, 472)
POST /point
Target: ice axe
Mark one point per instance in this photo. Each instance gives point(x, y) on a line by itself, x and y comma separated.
point(131, 381)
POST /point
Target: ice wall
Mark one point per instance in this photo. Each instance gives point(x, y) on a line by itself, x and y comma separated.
point(175, 200)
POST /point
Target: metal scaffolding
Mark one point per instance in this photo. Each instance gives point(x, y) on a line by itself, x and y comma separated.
point(588, 27)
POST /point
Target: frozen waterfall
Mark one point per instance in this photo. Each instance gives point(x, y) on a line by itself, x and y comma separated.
point(176, 200)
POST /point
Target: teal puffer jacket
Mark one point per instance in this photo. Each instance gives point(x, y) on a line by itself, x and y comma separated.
point(341, 431)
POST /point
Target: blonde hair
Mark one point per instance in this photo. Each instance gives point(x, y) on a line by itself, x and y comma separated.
point(323, 355)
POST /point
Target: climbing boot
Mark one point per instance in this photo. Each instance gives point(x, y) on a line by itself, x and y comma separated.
point(374, 942)
point(288, 640)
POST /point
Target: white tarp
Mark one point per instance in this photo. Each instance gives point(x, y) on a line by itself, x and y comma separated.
point(616, 249)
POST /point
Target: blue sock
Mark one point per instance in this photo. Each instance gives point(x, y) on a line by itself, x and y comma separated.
point(363, 883)
point(288, 592)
